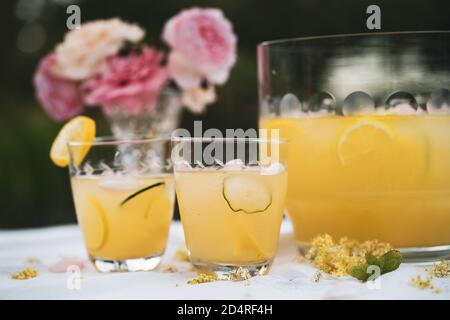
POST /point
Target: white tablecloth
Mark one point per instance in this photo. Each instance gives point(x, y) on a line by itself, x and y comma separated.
point(288, 278)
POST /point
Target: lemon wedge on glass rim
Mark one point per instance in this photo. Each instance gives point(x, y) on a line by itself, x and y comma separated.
point(80, 128)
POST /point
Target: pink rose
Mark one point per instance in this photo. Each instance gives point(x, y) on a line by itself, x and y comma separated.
point(203, 47)
point(131, 82)
point(60, 97)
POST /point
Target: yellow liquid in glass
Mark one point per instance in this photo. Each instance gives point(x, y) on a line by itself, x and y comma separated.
point(369, 177)
point(217, 231)
point(119, 222)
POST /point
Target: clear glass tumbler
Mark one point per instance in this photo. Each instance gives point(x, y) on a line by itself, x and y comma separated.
point(368, 120)
point(124, 195)
point(231, 194)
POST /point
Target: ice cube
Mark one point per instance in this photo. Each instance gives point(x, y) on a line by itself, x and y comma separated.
point(319, 114)
point(290, 105)
point(420, 111)
point(152, 164)
point(106, 170)
point(182, 165)
point(422, 99)
point(234, 165)
point(199, 164)
point(119, 182)
point(358, 103)
point(401, 103)
point(439, 102)
point(381, 110)
point(168, 165)
point(322, 101)
point(130, 159)
point(274, 168)
point(219, 162)
point(88, 169)
point(404, 109)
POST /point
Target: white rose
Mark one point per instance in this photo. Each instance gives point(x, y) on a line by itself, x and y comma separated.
point(83, 52)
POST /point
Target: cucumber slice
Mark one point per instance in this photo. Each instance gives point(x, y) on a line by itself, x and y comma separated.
point(246, 193)
point(158, 184)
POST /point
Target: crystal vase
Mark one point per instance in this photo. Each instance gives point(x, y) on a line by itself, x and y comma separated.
point(161, 119)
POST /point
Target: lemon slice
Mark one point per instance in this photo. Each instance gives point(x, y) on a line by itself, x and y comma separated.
point(245, 244)
point(95, 226)
point(81, 129)
point(247, 194)
point(366, 138)
point(375, 156)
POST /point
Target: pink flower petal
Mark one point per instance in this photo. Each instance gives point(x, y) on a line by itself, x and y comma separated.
point(183, 73)
point(64, 263)
point(60, 98)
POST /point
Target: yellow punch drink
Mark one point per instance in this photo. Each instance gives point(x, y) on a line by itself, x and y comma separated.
point(124, 218)
point(369, 177)
point(231, 217)
point(231, 214)
point(123, 192)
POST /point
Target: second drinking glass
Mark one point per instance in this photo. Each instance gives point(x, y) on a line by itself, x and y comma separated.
point(231, 194)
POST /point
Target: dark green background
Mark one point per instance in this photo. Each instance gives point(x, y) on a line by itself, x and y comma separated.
point(33, 192)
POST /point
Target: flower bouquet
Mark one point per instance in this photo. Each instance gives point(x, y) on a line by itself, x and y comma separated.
point(106, 64)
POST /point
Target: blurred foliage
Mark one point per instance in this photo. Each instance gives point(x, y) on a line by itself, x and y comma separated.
point(35, 193)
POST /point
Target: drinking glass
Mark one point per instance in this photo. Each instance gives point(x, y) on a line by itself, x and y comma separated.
point(124, 194)
point(231, 195)
point(368, 121)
